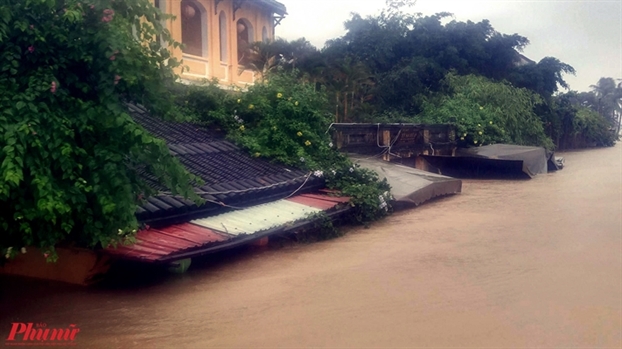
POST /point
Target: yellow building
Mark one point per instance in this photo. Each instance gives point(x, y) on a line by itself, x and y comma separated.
point(216, 34)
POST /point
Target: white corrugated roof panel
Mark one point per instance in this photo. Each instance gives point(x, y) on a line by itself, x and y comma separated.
point(258, 218)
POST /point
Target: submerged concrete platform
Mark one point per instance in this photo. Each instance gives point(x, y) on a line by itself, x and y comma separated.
point(410, 186)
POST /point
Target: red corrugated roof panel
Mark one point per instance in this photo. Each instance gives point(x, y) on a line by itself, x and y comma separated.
point(163, 239)
point(193, 233)
point(313, 202)
point(137, 251)
point(153, 244)
point(322, 202)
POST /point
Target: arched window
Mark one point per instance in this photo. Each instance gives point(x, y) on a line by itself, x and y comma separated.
point(245, 38)
point(193, 28)
point(222, 24)
point(264, 35)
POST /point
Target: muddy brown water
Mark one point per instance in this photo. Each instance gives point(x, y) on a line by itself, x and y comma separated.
point(534, 263)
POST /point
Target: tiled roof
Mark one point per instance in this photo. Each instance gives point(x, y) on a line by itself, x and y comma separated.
point(231, 177)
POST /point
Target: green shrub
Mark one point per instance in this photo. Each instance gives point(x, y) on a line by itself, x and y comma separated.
point(284, 120)
point(487, 112)
point(593, 127)
point(71, 154)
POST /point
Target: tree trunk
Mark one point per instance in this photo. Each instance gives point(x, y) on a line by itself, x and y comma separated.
point(352, 101)
point(345, 106)
point(337, 100)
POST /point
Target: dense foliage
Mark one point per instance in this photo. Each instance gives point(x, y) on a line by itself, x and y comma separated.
point(577, 125)
point(394, 66)
point(286, 121)
point(487, 112)
point(71, 155)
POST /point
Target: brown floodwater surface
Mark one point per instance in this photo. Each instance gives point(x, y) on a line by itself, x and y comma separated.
point(534, 263)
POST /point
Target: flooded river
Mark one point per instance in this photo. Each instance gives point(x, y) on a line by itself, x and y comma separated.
point(534, 263)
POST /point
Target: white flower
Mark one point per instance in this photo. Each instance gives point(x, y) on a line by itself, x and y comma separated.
point(318, 173)
point(240, 121)
point(302, 159)
point(7, 256)
point(330, 144)
point(386, 193)
point(334, 172)
point(23, 249)
point(351, 169)
point(120, 232)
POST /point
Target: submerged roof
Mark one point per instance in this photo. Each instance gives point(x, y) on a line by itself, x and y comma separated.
point(410, 186)
point(232, 177)
point(495, 160)
point(226, 230)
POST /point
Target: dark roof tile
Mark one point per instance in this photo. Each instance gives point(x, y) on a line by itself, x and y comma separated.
point(219, 163)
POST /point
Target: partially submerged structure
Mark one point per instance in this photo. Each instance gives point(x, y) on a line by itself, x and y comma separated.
point(390, 150)
point(410, 186)
point(496, 160)
point(395, 141)
point(246, 200)
point(417, 159)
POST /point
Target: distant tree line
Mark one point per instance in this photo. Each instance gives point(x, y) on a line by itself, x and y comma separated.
point(394, 67)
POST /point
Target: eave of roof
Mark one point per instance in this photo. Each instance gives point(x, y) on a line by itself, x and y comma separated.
point(276, 6)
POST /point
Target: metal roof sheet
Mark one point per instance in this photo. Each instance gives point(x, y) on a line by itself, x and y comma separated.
point(322, 202)
point(217, 232)
point(258, 218)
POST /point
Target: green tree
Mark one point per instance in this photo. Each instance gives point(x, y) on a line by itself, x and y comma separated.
point(488, 112)
point(608, 95)
point(72, 157)
point(580, 125)
point(546, 77)
point(409, 54)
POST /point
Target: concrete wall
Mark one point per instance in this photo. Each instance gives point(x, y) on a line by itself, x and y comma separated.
point(211, 64)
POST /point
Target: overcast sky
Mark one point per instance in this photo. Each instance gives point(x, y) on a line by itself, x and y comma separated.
point(585, 34)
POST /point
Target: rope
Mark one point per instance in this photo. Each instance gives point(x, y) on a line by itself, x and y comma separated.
point(300, 187)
